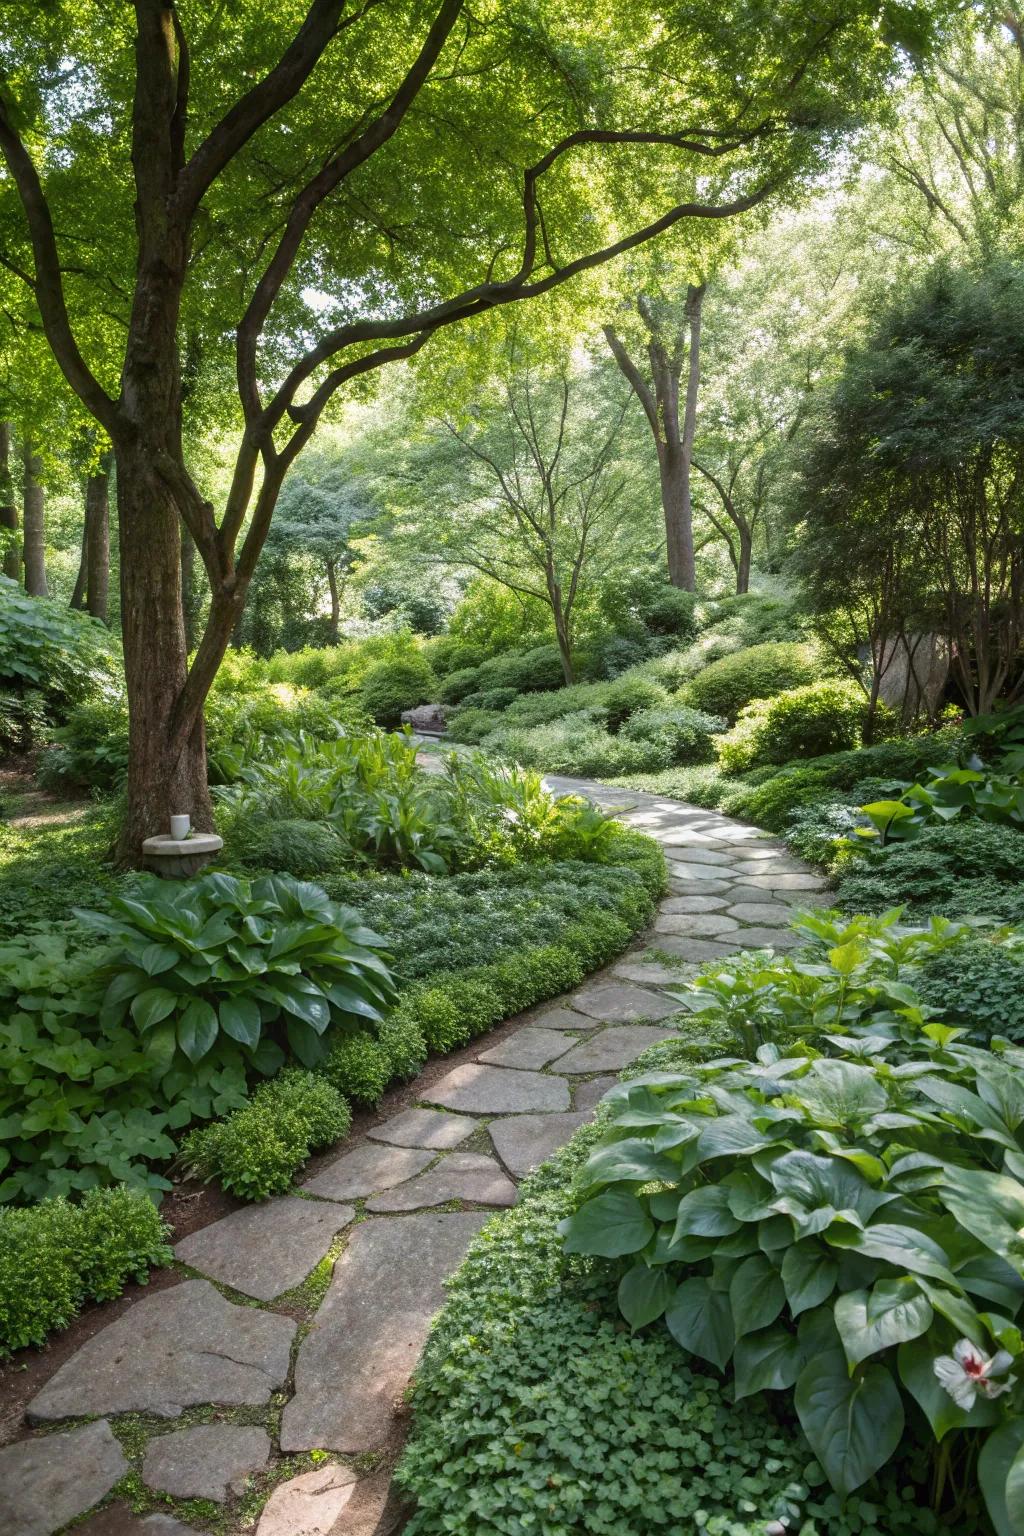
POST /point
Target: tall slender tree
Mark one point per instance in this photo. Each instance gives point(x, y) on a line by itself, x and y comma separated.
point(356, 193)
point(11, 565)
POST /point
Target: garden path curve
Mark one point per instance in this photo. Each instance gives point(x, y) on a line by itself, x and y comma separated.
point(236, 1396)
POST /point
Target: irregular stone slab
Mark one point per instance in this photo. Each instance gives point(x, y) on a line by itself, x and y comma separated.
point(762, 851)
point(265, 1249)
point(366, 1170)
point(768, 914)
point(208, 1461)
point(466, 1176)
point(526, 1141)
point(483, 1090)
point(168, 1352)
point(377, 1508)
point(774, 866)
point(589, 1094)
point(702, 925)
point(425, 1128)
point(735, 831)
point(614, 1048)
point(696, 951)
point(772, 882)
point(528, 1047)
point(565, 1018)
point(648, 973)
point(750, 894)
point(118, 1520)
point(358, 1356)
point(683, 887)
point(697, 854)
point(44, 1483)
point(692, 904)
point(619, 1002)
point(308, 1505)
point(701, 872)
point(765, 938)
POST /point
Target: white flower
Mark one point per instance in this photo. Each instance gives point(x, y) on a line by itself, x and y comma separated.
point(966, 1372)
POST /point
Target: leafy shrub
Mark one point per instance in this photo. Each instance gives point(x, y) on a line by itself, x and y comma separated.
point(587, 1429)
point(255, 1152)
point(55, 1256)
point(754, 618)
point(403, 1044)
point(977, 985)
point(573, 744)
point(758, 672)
point(50, 653)
point(493, 700)
point(767, 1213)
point(965, 793)
point(305, 849)
point(677, 735)
point(801, 722)
point(359, 1067)
point(471, 726)
point(92, 747)
point(453, 688)
point(524, 671)
point(394, 685)
point(936, 871)
point(237, 968)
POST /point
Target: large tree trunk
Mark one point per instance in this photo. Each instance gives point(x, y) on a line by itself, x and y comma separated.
point(162, 779)
point(675, 501)
point(746, 549)
point(35, 541)
point(82, 579)
point(332, 582)
point(694, 307)
point(188, 588)
point(97, 545)
point(8, 506)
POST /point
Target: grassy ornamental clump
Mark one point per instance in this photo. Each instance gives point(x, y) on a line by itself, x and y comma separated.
point(842, 1229)
point(535, 1409)
point(55, 1256)
point(757, 672)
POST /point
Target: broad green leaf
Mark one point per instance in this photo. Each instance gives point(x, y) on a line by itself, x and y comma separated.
point(871, 1321)
point(153, 1005)
point(306, 1042)
point(769, 1361)
point(1000, 1457)
point(916, 1365)
point(814, 1190)
point(854, 1423)
point(705, 1213)
point(756, 1295)
point(840, 1092)
point(240, 1019)
point(989, 1205)
point(644, 1294)
point(155, 958)
point(197, 1029)
point(809, 1276)
point(632, 1159)
point(700, 1319)
point(727, 1135)
point(904, 1247)
point(612, 1224)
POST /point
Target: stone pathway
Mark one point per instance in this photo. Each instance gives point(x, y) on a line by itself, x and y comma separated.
point(236, 1396)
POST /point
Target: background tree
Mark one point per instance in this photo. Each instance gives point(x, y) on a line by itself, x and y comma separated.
point(214, 224)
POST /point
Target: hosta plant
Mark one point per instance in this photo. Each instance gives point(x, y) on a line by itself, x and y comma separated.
point(951, 793)
point(220, 967)
point(849, 1229)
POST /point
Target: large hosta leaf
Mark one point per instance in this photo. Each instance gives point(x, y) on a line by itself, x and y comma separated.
point(815, 1190)
point(705, 1213)
point(1001, 1475)
point(853, 1423)
point(700, 1319)
point(991, 1206)
point(609, 1226)
point(197, 1029)
point(755, 1294)
point(769, 1361)
point(632, 1159)
point(891, 1313)
point(809, 1275)
point(904, 1247)
point(839, 1093)
point(916, 1362)
point(644, 1294)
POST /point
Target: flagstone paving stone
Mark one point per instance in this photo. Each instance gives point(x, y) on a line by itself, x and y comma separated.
point(499, 1090)
point(207, 1461)
point(730, 887)
point(523, 1142)
point(702, 925)
point(367, 1170)
point(357, 1357)
point(468, 1176)
point(528, 1047)
point(425, 1128)
point(265, 1249)
point(613, 1048)
point(619, 1002)
point(169, 1352)
point(47, 1481)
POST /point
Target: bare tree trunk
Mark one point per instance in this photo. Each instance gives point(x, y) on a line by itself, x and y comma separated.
point(162, 779)
point(82, 579)
point(694, 308)
point(675, 502)
point(8, 506)
point(332, 582)
point(188, 588)
point(97, 544)
point(35, 546)
point(746, 550)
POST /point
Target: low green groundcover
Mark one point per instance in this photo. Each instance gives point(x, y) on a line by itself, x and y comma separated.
point(537, 1410)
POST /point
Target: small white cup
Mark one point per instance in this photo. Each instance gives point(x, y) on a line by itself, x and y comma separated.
point(180, 827)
